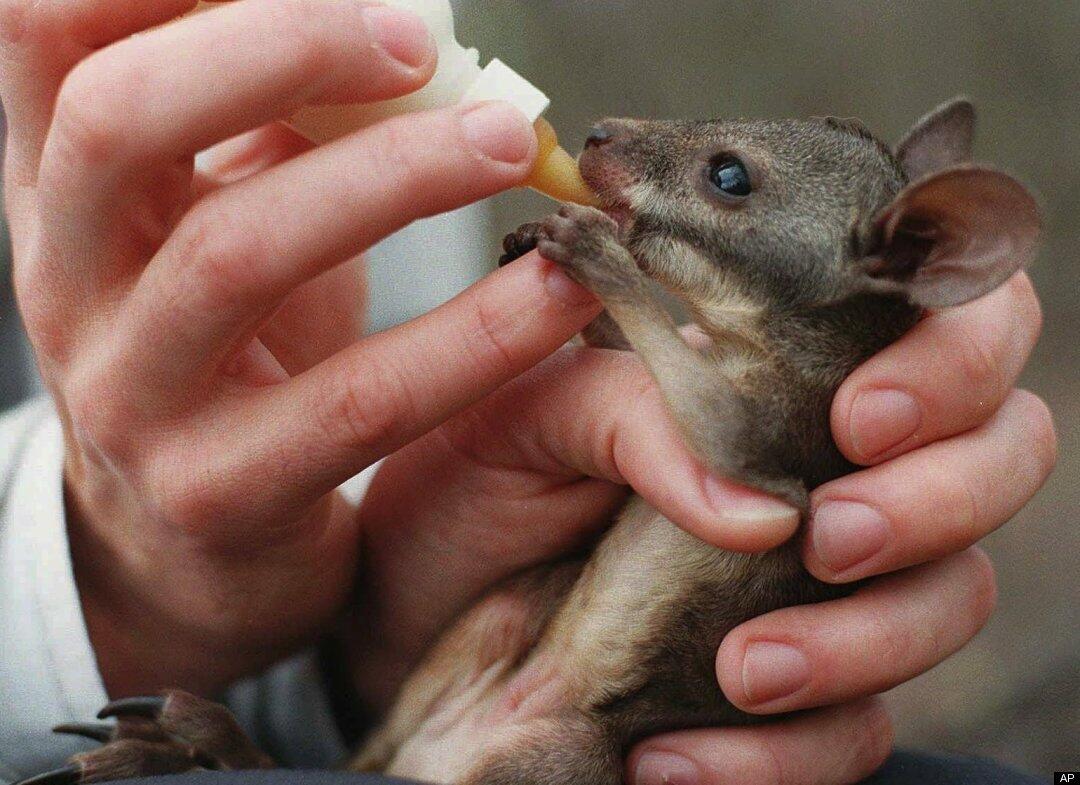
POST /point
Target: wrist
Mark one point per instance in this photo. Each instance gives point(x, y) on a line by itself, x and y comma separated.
point(161, 610)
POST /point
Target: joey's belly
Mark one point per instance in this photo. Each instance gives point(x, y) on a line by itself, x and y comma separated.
point(627, 641)
point(638, 635)
point(468, 726)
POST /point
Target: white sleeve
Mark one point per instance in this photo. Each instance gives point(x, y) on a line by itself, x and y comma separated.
point(48, 672)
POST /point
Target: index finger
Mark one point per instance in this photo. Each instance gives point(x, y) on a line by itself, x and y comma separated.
point(945, 377)
point(292, 443)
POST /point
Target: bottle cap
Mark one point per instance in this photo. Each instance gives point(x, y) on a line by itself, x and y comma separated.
point(499, 82)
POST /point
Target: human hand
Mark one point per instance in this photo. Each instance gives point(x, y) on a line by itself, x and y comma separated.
point(534, 470)
point(197, 328)
point(949, 464)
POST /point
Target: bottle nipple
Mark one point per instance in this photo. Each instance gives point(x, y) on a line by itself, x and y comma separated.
point(556, 173)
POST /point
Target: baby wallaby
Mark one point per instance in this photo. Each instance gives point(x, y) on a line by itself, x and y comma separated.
point(800, 248)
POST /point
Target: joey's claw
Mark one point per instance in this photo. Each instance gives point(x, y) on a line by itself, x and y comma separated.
point(94, 731)
point(171, 733)
point(149, 707)
point(68, 775)
point(520, 243)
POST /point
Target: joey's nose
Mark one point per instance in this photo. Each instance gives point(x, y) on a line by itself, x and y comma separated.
point(599, 136)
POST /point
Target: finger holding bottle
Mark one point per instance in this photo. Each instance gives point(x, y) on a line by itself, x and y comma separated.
point(129, 118)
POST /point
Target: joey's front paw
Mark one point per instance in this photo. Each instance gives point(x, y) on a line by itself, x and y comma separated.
point(584, 242)
point(576, 234)
point(521, 242)
point(168, 734)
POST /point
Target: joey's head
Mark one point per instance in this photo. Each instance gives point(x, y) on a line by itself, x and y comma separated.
point(800, 213)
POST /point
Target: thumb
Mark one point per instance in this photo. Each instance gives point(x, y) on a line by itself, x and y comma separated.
point(598, 413)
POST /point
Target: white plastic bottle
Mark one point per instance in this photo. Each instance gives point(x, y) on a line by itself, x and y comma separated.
point(459, 78)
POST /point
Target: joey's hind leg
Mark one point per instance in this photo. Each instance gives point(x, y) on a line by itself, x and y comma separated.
point(463, 671)
point(168, 734)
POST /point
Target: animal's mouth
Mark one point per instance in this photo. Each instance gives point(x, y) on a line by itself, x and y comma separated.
point(611, 182)
point(621, 214)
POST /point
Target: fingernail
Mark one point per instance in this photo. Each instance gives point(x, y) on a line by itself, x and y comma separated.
point(566, 290)
point(499, 131)
point(844, 534)
point(773, 670)
point(881, 420)
point(401, 34)
point(736, 503)
point(666, 768)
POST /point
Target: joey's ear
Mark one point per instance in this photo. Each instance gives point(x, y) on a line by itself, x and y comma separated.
point(953, 236)
point(942, 139)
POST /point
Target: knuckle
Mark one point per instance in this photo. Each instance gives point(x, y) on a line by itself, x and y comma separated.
point(48, 333)
point(890, 642)
point(90, 120)
point(490, 345)
point(300, 17)
point(371, 406)
point(1028, 304)
point(404, 147)
point(984, 591)
point(958, 496)
point(394, 147)
point(1040, 426)
point(979, 367)
point(968, 512)
point(184, 508)
point(298, 13)
point(219, 255)
point(102, 422)
point(48, 327)
point(52, 329)
point(188, 502)
point(771, 764)
point(878, 736)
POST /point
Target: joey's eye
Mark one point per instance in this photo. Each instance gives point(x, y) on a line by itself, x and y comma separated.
point(730, 176)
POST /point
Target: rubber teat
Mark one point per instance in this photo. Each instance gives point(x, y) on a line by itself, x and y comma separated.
point(556, 173)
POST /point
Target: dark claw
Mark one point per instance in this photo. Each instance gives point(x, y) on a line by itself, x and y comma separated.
point(148, 707)
point(519, 243)
point(89, 730)
point(69, 775)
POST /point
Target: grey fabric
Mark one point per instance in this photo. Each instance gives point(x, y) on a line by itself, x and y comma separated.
point(903, 768)
point(911, 768)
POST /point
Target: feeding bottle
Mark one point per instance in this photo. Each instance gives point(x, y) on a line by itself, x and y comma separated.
point(459, 78)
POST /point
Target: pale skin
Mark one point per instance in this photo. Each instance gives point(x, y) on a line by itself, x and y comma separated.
point(200, 336)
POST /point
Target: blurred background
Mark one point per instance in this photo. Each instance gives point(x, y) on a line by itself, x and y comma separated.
point(1014, 693)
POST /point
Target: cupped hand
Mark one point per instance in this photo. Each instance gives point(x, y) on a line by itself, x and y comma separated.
point(954, 451)
point(538, 467)
point(198, 328)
